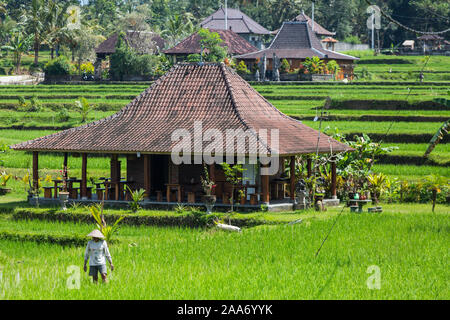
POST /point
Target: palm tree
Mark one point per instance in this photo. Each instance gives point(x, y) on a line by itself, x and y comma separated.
point(55, 27)
point(178, 27)
point(19, 45)
point(33, 20)
point(2, 7)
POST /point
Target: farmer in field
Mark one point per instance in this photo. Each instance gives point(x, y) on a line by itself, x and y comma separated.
point(97, 252)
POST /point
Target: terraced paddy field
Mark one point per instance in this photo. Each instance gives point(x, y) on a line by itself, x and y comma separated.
point(402, 115)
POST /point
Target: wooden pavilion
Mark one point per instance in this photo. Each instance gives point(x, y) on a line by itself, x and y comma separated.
point(142, 132)
point(295, 41)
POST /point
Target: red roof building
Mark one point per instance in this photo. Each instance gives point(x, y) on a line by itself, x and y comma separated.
point(144, 42)
point(234, 43)
point(142, 132)
point(294, 42)
point(239, 23)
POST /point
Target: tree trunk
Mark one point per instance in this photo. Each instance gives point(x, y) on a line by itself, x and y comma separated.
point(36, 49)
point(434, 199)
point(51, 53)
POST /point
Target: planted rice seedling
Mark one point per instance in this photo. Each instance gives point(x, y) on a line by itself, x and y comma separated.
point(266, 262)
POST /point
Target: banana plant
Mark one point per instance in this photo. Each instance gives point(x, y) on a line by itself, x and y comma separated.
point(443, 130)
point(107, 231)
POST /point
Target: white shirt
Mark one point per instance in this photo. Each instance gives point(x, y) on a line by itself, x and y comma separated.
point(96, 253)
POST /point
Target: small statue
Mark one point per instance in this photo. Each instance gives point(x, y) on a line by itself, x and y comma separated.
point(262, 68)
point(257, 77)
point(275, 68)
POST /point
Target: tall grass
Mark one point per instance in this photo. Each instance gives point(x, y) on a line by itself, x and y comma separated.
point(275, 262)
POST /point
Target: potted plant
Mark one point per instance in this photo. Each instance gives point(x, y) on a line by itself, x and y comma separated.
point(241, 196)
point(208, 185)
point(4, 178)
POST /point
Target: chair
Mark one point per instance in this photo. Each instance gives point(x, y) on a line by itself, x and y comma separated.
point(73, 193)
point(48, 192)
point(191, 197)
point(100, 192)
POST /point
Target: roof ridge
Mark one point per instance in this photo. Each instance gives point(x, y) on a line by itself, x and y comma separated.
point(230, 90)
point(96, 122)
point(276, 36)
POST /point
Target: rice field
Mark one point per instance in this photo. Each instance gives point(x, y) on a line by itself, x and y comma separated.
point(407, 244)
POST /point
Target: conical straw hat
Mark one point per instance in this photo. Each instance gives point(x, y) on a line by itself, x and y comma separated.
point(96, 234)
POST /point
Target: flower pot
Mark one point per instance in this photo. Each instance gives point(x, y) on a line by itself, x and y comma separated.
point(63, 199)
point(242, 201)
point(209, 201)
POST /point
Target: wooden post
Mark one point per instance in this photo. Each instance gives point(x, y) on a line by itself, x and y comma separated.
point(333, 179)
point(309, 166)
point(212, 175)
point(83, 188)
point(265, 188)
point(292, 180)
point(65, 173)
point(35, 171)
point(115, 168)
point(147, 177)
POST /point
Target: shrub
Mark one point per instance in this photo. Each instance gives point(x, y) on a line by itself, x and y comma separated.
point(35, 105)
point(137, 196)
point(242, 67)
point(352, 39)
point(63, 115)
point(145, 65)
point(58, 66)
point(285, 67)
point(194, 57)
point(314, 65)
point(87, 68)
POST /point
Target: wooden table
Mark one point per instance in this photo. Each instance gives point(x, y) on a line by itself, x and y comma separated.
point(118, 187)
point(173, 186)
point(278, 186)
point(70, 187)
point(360, 203)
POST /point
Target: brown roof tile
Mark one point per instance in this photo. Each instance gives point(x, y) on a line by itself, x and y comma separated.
point(296, 40)
point(211, 93)
point(236, 20)
point(235, 44)
point(318, 29)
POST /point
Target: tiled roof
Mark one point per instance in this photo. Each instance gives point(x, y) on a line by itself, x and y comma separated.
point(428, 37)
point(295, 40)
point(141, 41)
point(318, 29)
point(235, 44)
point(236, 21)
point(211, 93)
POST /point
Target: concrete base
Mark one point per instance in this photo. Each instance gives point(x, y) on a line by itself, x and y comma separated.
point(330, 202)
point(280, 207)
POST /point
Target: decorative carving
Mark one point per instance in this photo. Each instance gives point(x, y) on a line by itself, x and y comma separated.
point(262, 67)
